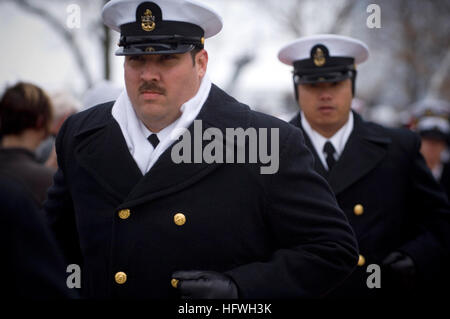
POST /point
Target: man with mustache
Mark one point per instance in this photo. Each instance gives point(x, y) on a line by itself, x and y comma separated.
point(398, 212)
point(142, 226)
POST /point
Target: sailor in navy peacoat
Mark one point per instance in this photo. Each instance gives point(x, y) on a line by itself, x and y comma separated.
point(276, 235)
point(398, 211)
point(393, 203)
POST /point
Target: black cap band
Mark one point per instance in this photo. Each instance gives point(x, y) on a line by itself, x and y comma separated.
point(434, 134)
point(150, 34)
point(321, 67)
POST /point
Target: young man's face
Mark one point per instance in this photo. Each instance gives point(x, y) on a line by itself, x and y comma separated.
point(158, 85)
point(326, 106)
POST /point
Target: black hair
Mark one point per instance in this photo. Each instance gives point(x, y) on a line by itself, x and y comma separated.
point(24, 106)
point(194, 52)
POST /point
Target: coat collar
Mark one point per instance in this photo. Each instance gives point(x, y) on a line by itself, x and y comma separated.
point(103, 152)
point(365, 148)
point(318, 166)
point(101, 149)
point(17, 153)
point(214, 112)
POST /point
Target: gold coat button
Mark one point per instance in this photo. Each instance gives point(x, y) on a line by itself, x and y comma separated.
point(179, 219)
point(174, 283)
point(124, 213)
point(361, 261)
point(358, 210)
point(120, 277)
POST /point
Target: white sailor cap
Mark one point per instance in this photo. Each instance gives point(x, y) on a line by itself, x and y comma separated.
point(430, 107)
point(160, 26)
point(434, 127)
point(323, 57)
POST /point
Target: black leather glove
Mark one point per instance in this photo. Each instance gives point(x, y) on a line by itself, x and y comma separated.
point(205, 285)
point(399, 271)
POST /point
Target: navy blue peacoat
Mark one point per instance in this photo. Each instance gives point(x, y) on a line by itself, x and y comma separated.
point(393, 203)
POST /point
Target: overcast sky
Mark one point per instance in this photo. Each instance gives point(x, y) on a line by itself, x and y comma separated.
point(32, 51)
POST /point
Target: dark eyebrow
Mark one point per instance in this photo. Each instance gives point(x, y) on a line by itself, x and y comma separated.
point(134, 57)
point(169, 56)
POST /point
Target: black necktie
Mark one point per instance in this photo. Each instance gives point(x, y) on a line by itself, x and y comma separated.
point(153, 139)
point(329, 150)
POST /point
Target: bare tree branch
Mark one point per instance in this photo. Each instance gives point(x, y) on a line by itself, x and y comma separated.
point(58, 27)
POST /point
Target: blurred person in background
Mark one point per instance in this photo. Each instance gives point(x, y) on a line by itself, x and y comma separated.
point(105, 91)
point(398, 211)
point(435, 132)
point(25, 120)
point(64, 105)
point(32, 265)
point(385, 115)
point(428, 106)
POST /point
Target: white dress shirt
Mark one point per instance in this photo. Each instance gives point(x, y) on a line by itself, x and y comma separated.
point(339, 139)
point(136, 133)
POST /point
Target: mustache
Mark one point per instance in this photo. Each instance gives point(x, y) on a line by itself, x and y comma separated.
point(151, 86)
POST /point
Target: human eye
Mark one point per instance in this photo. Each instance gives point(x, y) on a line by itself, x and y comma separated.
point(168, 57)
point(135, 58)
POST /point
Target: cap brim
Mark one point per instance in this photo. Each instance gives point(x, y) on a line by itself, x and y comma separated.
point(143, 50)
point(435, 135)
point(324, 77)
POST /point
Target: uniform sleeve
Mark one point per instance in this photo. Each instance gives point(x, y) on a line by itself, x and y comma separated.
point(431, 247)
point(315, 246)
point(59, 207)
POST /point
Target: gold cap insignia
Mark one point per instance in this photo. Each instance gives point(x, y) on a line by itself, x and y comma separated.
point(174, 283)
point(319, 57)
point(148, 21)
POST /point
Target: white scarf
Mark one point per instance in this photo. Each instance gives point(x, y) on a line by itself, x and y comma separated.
point(142, 151)
point(339, 139)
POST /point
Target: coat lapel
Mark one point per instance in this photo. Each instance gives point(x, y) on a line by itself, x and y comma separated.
point(363, 151)
point(166, 177)
point(103, 152)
